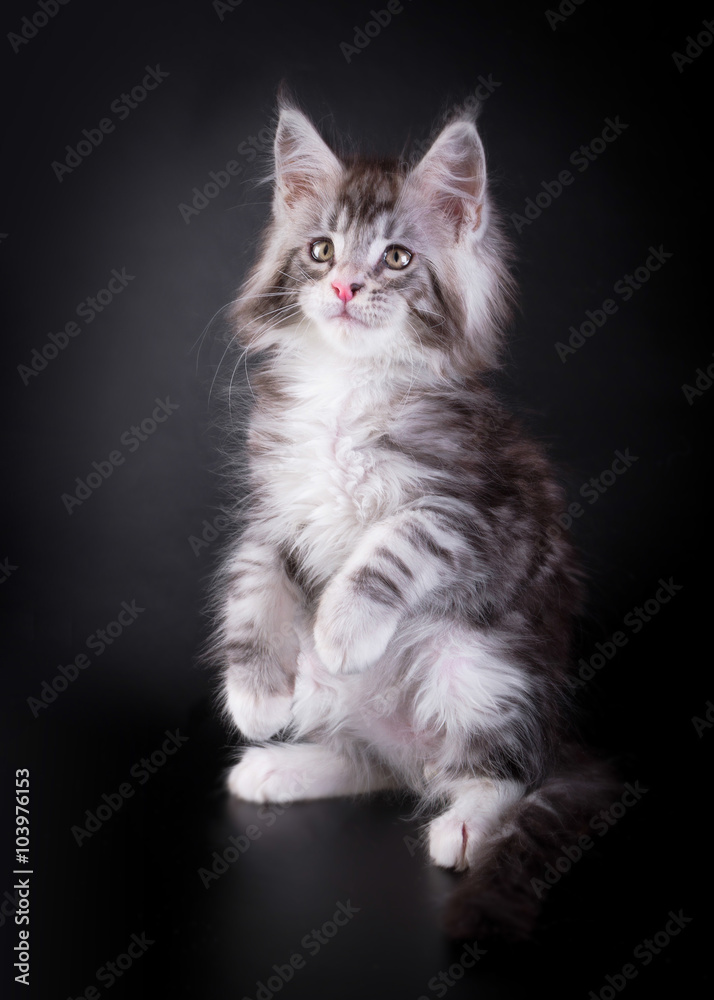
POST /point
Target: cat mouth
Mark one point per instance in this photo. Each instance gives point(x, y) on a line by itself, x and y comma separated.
point(347, 317)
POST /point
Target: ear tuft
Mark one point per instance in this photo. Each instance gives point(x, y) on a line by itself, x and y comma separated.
point(285, 98)
point(304, 163)
point(452, 174)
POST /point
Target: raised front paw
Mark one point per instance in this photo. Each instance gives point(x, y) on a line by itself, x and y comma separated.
point(258, 716)
point(351, 631)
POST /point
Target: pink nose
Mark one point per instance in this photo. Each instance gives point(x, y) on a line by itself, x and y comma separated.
point(345, 292)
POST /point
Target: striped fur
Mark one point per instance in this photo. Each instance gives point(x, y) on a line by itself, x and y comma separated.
point(396, 607)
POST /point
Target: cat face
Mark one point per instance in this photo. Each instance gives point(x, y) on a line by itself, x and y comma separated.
point(378, 259)
point(362, 270)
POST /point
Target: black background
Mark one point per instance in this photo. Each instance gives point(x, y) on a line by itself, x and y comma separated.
point(129, 541)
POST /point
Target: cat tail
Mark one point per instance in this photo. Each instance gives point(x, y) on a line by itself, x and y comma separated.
point(503, 891)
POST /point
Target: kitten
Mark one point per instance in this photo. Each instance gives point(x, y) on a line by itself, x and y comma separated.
point(397, 607)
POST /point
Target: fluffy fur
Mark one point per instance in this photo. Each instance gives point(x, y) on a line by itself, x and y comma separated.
point(396, 607)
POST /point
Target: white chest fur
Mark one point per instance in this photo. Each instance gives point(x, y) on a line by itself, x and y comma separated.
point(329, 478)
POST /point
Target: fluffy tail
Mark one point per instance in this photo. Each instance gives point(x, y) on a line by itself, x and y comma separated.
point(497, 898)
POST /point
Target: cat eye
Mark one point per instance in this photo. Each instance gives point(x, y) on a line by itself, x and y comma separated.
point(397, 257)
point(322, 250)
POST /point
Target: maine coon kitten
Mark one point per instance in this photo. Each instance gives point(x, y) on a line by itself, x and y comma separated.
point(399, 606)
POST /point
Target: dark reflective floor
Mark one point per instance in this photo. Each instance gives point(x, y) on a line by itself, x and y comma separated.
point(318, 899)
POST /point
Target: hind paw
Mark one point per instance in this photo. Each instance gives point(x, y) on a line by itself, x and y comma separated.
point(449, 841)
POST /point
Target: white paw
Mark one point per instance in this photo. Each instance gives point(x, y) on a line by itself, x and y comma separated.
point(258, 718)
point(449, 841)
point(264, 774)
point(348, 636)
point(456, 836)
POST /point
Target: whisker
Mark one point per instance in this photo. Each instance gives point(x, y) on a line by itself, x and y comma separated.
point(285, 308)
point(230, 385)
point(304, 272)
point(215, 374)
point(199, 340)
point(247, 378)
point(411, 361)
point(244, 355)
point(266, 295)
point(431, 312)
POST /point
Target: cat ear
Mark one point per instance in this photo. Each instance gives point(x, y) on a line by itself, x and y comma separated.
point(304, 163)
point(451, 176)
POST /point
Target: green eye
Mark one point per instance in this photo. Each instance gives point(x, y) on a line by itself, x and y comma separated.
point(322, 250)
point(397, 257)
